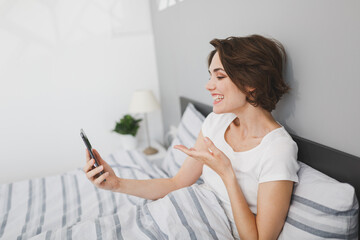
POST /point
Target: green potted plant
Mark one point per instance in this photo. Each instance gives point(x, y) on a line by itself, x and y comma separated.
point(127, 127)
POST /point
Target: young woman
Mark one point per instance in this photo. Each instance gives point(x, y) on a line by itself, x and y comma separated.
point(246, 157)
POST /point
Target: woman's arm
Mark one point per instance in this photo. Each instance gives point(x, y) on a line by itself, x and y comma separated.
point(272, 206)
point(244, 219)
point(272, 203)
point(152, 189)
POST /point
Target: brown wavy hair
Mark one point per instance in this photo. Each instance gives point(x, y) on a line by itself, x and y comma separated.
point(254, 62)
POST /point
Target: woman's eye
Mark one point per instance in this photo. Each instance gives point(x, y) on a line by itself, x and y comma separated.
point(220, 77)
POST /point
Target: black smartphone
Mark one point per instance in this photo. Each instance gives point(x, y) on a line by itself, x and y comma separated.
point(89, 148)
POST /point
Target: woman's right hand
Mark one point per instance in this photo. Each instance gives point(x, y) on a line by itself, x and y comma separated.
point(112, 181)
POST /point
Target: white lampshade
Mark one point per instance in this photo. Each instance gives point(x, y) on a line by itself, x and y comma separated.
point(143, 101)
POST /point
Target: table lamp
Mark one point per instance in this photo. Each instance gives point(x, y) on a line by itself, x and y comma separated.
point(144, 101)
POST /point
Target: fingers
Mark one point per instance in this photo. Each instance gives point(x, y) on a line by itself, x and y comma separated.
point(211, 146)
point(92, 173)
point(203, 155)
point(192, 152)
point(87, 155)
point(100, 179)
point(88, 166)
point(96, 153)
point(184, 149)
point(97, 156)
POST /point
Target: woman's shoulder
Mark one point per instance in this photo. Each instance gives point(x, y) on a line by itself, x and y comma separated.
point(280, 140)
point(279, 161)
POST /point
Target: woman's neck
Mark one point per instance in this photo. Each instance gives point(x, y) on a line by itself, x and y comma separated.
point(254, 122)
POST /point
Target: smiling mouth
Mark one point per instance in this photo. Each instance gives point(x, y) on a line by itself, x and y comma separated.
point(218, 98)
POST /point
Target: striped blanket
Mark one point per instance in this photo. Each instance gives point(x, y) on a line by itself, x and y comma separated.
point(68, 206)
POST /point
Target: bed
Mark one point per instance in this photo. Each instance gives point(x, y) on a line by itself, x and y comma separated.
point(68, 206)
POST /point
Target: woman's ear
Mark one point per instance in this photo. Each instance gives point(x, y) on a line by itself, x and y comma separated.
point(251, 92)
point(250, 89)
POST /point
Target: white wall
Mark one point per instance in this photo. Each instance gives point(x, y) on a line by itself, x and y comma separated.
point(66, 65)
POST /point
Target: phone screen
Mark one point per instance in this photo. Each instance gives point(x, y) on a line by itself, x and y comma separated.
point(89, 148)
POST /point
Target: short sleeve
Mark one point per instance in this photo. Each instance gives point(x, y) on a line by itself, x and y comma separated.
point(280, 161)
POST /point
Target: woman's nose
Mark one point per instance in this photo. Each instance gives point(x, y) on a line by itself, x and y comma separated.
point(210, 85)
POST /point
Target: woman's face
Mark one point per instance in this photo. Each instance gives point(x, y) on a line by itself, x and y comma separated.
point(227, 96)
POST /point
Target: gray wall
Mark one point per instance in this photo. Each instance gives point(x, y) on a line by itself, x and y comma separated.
point(322, 41)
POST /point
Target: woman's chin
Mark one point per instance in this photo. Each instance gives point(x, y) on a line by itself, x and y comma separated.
point(217, 110)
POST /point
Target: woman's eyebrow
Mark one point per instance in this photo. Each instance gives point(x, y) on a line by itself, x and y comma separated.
point(217, 69)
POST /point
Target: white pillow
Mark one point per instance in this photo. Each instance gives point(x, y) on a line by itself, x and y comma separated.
point(188, 130)
point(321, 207)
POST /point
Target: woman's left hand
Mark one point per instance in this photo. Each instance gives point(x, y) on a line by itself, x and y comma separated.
point(213, 158)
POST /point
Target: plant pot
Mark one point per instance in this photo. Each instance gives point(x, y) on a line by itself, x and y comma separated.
point(128, 141)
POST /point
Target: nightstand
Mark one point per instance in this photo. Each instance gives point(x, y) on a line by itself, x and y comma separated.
point(157, 157)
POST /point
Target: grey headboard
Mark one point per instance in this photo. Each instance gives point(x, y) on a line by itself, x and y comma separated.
point(339, 165)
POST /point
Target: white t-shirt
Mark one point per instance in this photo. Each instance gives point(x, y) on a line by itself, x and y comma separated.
point(275, 158)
